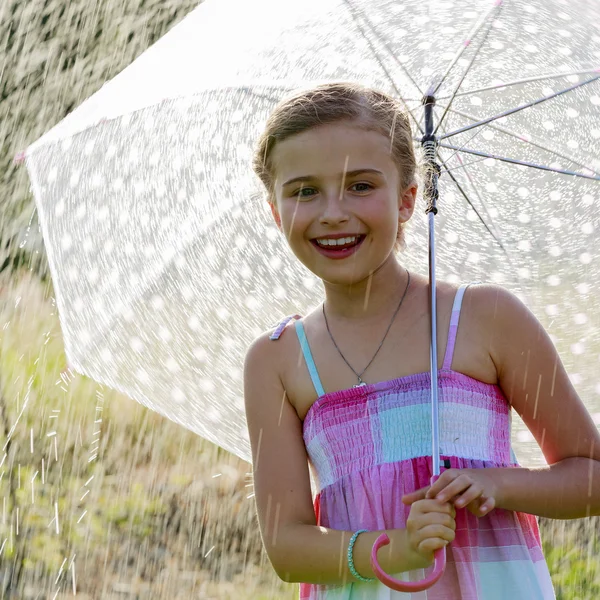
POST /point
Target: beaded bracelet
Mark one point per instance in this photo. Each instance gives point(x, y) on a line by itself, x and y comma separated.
point(351, 560)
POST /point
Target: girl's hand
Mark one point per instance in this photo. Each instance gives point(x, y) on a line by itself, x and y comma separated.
point(464, 488)
point(430, 526)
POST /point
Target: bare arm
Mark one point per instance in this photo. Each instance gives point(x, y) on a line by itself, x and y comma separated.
point(536, 384)
point(299, 549)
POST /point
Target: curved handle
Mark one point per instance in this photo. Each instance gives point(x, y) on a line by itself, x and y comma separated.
point(408, 586)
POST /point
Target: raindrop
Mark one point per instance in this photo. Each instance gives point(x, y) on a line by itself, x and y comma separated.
point(172, 365)
point(578, 348)
point(587, 228)
point(106, 355)
point(80, 212)
point(476, 101)
point(585, 258)
point(223, 314)
point(583, 288)
point(451, 237)
point(555, 223)
point(525, 436)
point(575, 378)
point(59, 209)
point(157, 303)
point(142, 376)
point(200, 354)
point(473, 257)
point(308, 283)
point(524, 218)
point(523, 193)
point(66, 242)
point(555, 195)
point(193, 323)
point(524, 273)
point(552, 310)
point(164, 334)
point(580, 319)
point(491, 187)
point(488, 135)
point(177, 395)
point(251, 303)
point(572, 113)
point(207, 385)
point(553, 280)
point(74, 180)
point(524, 245)
point(530, 48)
point(595, 100)
point(136, 344)
point(549, 125)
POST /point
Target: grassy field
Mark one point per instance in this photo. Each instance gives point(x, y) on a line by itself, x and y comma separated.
point(103, 497)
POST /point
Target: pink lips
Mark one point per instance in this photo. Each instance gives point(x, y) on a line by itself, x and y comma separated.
point(337, 252)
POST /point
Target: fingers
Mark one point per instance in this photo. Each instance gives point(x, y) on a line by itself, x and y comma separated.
point(412, 497)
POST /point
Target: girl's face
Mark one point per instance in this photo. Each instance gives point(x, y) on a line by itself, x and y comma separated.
point(339, 183)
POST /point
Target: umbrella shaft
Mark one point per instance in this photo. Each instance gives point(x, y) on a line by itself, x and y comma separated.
point(435, 439)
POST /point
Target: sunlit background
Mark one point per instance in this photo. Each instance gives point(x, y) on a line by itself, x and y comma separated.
point(103, 497)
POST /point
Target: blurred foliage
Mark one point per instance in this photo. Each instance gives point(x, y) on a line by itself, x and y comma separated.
point(103, 491)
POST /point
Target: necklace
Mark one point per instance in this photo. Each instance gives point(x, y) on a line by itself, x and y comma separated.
point(359, 375)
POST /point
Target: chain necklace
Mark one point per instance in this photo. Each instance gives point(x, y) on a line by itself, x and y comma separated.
point(359, 375)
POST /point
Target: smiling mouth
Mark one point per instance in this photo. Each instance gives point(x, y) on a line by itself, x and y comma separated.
point(339, 243)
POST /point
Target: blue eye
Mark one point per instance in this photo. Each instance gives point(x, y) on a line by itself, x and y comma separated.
point(365, 186)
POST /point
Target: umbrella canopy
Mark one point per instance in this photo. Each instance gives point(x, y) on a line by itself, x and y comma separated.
point(164, 257)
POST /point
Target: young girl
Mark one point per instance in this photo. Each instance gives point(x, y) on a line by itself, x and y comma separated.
point(346, 388)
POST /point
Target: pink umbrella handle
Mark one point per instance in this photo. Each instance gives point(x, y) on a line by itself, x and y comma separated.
point(408, 586)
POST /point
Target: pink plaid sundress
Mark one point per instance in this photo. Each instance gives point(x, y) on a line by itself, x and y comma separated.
point(368, 446)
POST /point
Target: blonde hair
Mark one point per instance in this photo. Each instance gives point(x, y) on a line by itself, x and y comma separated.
point(330, 103)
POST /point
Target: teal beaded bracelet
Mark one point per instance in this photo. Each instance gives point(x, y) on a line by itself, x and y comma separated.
point(351, 560)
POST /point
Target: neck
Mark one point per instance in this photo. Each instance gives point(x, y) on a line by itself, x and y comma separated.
point(368, 299)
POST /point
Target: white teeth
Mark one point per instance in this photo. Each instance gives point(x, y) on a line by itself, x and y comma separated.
point(338, 242)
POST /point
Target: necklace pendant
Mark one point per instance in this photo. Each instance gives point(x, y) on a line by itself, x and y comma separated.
point(361, 384)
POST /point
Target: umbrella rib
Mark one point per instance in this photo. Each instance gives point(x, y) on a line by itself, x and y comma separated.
point(525, 140)
point(521, 81)
point(465, 44)
point(384, 68)
point(521, 162)
point(464, 165)
point(471, 204)
point(466, 72)
point(466, 197)
point(519, 108)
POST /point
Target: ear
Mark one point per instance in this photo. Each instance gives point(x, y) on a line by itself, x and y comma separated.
point(406, 202)
point(275, 214)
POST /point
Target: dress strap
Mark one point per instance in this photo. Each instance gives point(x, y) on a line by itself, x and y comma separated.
point(458, 298)
point(281, 326)
point(310, 363)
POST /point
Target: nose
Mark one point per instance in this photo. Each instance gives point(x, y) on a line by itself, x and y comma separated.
point(334, 209)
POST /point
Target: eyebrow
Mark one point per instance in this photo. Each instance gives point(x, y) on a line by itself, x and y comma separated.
point(346, 174)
